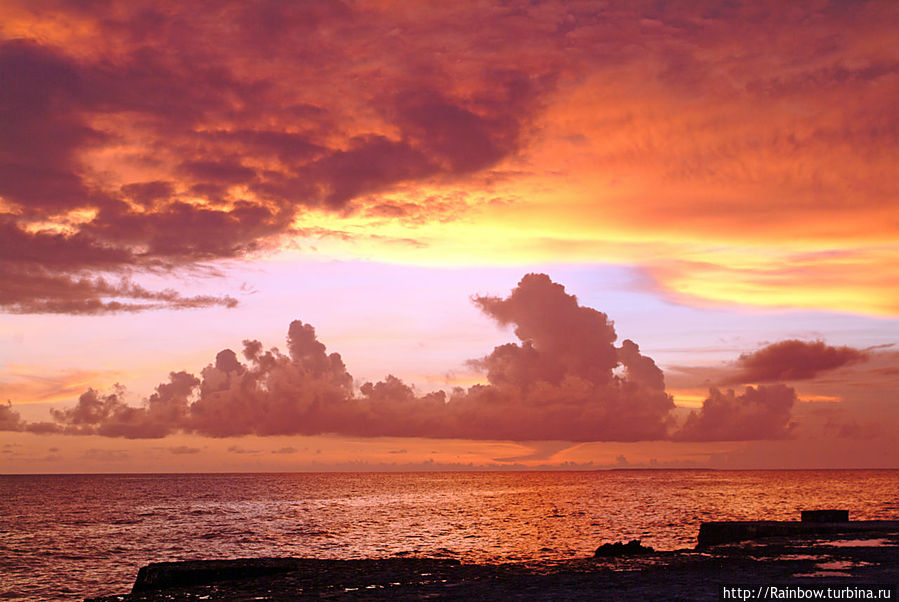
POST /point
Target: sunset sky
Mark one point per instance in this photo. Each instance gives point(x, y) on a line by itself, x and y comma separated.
point(538, 235)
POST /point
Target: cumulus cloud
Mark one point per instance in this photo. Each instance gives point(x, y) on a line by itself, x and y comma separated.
point(761, 412)
point(10, 420)
point(565, 380)
point(302, 392)
point(793, 360)
point(107, 414)
point(560, 381)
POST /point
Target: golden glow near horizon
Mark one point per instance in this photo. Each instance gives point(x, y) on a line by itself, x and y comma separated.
point(852, 277)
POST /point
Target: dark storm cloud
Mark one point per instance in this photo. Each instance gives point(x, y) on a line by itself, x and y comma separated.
point(42, 116)
point(464, 135)
point(55, 251)
point(135, 111)
point(206, 98)
point(182, 232)
point(371, 164)
point(291, 148)
point(148, 193)
point(52, 272)
point(41, 98)
point(225, 172)
point(794, 360)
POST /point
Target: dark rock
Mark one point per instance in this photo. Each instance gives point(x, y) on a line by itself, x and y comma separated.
point(671, 576)
point(163, 575)
point(201, 579)
point(825, 516)
point(617, 549)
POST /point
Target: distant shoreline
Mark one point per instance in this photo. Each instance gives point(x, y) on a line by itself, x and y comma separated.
point(652, 468)
point(454, 471)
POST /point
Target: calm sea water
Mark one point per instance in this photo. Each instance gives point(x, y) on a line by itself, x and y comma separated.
point(71, 536)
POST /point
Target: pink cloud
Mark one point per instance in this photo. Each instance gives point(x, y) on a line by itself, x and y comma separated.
point(265, 111)
point(565, 380)
point(794, 360)
point(761, 412)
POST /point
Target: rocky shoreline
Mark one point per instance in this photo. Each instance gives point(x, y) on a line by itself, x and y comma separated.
point(807, 556)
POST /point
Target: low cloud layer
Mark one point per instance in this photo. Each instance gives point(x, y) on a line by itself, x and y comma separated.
point(565, 380)
point(761, 412)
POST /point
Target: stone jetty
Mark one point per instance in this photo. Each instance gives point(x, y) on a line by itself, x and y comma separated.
point(813, 522)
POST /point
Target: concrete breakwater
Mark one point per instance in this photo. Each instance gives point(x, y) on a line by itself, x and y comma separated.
point(813, 522)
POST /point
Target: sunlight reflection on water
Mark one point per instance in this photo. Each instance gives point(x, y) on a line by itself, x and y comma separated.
point(94, 532)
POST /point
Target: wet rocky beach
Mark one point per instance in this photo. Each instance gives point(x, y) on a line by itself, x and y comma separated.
point(838, 559)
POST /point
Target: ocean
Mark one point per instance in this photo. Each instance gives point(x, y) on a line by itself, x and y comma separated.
point(72, 536)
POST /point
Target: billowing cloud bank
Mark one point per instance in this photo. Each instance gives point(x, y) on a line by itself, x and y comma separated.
point(565, 379)
point(762, 412)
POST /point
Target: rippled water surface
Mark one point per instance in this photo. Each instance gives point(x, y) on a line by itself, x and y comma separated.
point(71, 536)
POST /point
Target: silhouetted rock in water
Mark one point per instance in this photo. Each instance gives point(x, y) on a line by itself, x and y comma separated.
point(614, 550)
point(224, 579)
point(825, 516)
point(163, 575)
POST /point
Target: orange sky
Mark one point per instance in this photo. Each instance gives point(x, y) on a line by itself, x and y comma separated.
point(176, 179)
